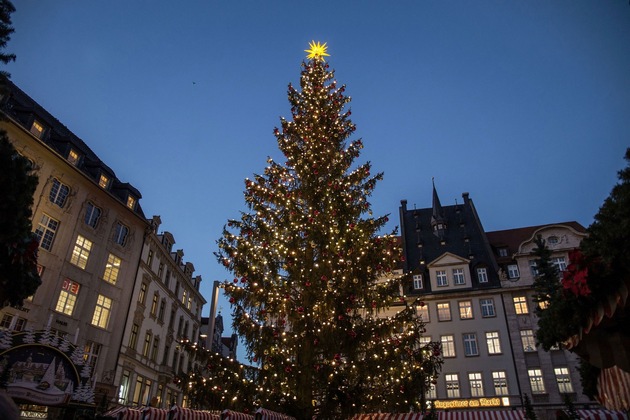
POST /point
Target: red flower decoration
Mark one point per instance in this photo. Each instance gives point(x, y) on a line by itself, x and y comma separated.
point(575, 278)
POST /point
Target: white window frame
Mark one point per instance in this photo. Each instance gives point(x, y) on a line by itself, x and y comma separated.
point(493, 341)
point(475, 382)
point(536, 381)
point(520, 305)
point(499, 381)
point(59, 193)
point(102, 311)
point(46, 231)
point(471, 347)
point(444, 311)
point(423, 312)
point(81, 252)
point(441, 278)
point(452, 385)
point(487, 308)
point(112, 269)
point(560, 263)
point(482, 275)
point(563, 379)
point(67, 297)
point(459, 277)
point(417, 281)
point(513, 271)
point(448, 345)
point(528, 341)
point(92, 214)
point(465, 309)
point(121, 234)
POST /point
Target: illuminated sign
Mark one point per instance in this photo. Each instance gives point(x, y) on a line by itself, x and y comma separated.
point(70, 286)
point(469, 403)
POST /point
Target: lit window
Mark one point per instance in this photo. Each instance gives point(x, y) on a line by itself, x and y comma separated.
point(143, 293)
point(493, 342)
point(564, 380)
point(73, 157)
point(154, 304)
point(131, 202)
point(452, 385)
point(465, 309)
point(536, 381)
point(90, 354)
point(513, 272)
point(123, 391)
point(503, 252)
point(112, 268)
point(470, 344)
point(101, 311)
point(520, 305)
point(81, 252)
point(120, 237)
point(476, 384)
point(431, 393)
point(448, 345)
point(458, 276)
point(487, 308)
point(37, 129)
point(67, 297)
point(189, 303)
point(482, 275)
point(528, 340)
point(184, 297)
point(417, 281)
point(560, 263)
point(103, 181)
point(133, 337)
point(444, 311)
point(441, 278)
point(92, 214)
point(46, 230)
point(422, 311)
point(58, 193)
point(500, 383)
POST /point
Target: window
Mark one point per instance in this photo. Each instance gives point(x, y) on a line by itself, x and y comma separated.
point(58, 193)
point(465, 309)
point(46, 230)
point(528, 341)
point(92, 214)
point(123, 391)
point(81, 252)
point(458, 276)
point(476, 384)
point(73, 157)
point(422, 311)
point(499, 381)
point(162, 309)
point(552, 240)
point(120, 237)
point(560, 263)
point(444, 311)
point(536, 381)
point(167, 349)
point(470, 344)
point(441, 278)
point(161, 270)
point(37, 129)
point(90, 354)
point(503, 252)
point(6, 321)
point(448, 345)
point(147, 344)
point(513, 272)
point(103, 181)
point(533, 267)
point(154, 304)
point(493, 342)
point(112, 268)
point(417, 281)
point(564, 380)
point(131, 202)
point(101, 311)
point(67, 297)
point(452, 385)
point(143, 293)
point(133, 337)
point(184, 297)
point(154, 350)
point(520, 305)
point(150, 258)
point(167, 279)
point(482, 275)
point(431, 393)
point(487, 308)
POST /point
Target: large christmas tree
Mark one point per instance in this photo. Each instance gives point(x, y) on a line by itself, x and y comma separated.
point(314, 294)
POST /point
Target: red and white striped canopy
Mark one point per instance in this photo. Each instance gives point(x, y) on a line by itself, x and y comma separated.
point(388, 416)
point(272, 415)
point(601, 415)
point(188, 414)
point(152, 413)
point(124, 413)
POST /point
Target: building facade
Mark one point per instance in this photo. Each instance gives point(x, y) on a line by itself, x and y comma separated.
point(475, 292)
point(102, 263)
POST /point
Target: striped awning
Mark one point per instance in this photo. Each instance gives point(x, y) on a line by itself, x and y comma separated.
point(388, 416)
point(272, 415)
point(189, 414)
point(613, 387)
point(481, 415)
point(124, 413)
point(601, 415)
point(234, 415)
point(152, 413)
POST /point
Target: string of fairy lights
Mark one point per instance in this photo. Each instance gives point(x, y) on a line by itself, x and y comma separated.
point(315, 294)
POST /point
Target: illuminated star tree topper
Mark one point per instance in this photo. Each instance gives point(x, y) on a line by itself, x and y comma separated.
point(317, 51)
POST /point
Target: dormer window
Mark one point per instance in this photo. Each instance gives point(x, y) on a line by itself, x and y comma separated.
point(503, 252)
point(37, 129)
point(103, 181)
point(552, 240)
point(73, 157)
point(131, 202)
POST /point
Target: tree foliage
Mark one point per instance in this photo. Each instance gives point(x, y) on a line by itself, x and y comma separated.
point(313, 279)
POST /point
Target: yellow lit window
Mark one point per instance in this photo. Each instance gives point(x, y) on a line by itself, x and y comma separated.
point(37, 129)
point(103, 181)
point(73, 157)
point(81, 252)
point(111, 269)
point(101, 311)
point(131, 202)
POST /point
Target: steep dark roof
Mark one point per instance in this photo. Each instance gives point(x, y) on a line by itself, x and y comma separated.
point(513, 238)
point(24, 110)
point(463, 236)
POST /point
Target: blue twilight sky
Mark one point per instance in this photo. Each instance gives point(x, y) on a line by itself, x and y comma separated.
point(524, 104)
